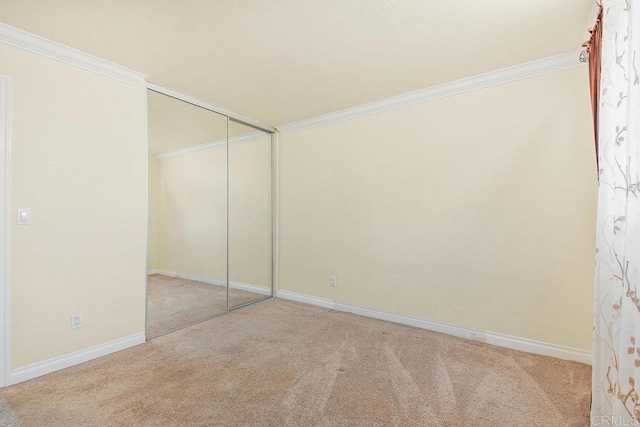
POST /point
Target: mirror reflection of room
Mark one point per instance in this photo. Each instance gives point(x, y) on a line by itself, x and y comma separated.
point(249, 215)
point(209, 225)
point(187, 243)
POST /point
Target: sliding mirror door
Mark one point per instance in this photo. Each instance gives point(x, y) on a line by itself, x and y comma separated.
point(187, 237)
point(250, 248)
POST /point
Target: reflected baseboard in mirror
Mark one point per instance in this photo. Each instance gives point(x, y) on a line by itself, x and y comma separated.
point(175, 301)
point(250, 228)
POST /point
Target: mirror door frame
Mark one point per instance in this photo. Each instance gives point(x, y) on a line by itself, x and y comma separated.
point(273, 199)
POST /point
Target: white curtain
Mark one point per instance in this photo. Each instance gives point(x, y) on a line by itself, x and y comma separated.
point(616, 352)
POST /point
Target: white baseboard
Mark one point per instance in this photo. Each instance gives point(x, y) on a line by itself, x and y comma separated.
point(46, 367)
point(248, 287)
point(233, 285)
point(501, 340)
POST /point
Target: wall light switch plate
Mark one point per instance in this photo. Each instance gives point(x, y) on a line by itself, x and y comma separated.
point(24, 216)
point(333, 281)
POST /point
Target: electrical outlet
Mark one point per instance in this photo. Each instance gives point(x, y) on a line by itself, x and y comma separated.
point(333, 281)
point(76, 321)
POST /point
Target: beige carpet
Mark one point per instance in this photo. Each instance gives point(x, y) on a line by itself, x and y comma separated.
point(174, 302)
point(278, 363)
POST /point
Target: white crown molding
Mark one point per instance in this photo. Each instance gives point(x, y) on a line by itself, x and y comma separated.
point(50, 49)
point(481, 81)
point(220, 143)
point(493, 338)
point(46, 367)
point(232, 285)
point(192, 150)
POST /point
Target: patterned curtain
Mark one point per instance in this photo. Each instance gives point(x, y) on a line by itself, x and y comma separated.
point(616, 352)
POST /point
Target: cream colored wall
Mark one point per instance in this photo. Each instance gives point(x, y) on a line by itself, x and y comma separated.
point(154, 199)
point(250, 212)
point(192, 214)
point(78, 155)
point(476, 210)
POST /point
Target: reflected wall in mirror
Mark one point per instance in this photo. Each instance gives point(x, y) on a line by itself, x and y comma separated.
point(187, 234)
point(250, 257)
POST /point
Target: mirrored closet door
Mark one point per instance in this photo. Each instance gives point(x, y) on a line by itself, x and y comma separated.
point(187, 214)
point(250, 258)
point(209, 214)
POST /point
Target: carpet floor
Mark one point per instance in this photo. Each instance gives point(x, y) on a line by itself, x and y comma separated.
point(173, 302)
point(280, 363)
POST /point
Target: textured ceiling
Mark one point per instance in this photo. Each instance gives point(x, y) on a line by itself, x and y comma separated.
point(278, 61)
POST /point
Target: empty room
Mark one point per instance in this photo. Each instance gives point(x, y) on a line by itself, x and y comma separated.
point(319, 213)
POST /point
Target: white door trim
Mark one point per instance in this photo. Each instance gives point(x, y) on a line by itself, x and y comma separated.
point(5, 214)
